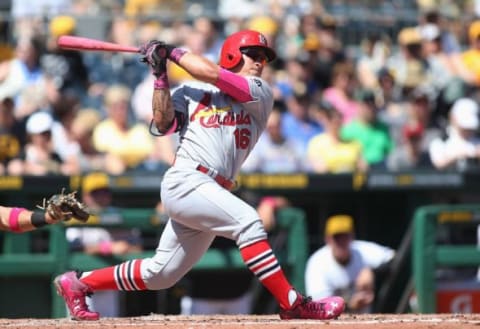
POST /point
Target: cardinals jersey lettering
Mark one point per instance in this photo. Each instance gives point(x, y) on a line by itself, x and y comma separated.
point(220, 132)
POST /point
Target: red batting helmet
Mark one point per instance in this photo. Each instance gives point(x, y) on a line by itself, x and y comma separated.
point(231, 55)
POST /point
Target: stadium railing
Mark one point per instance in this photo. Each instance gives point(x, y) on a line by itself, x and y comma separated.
point(431, 253)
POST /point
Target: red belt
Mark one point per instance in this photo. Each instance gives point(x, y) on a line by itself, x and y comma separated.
point(222, 181)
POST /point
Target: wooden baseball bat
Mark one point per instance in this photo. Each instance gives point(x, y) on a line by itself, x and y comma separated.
point(81, 43)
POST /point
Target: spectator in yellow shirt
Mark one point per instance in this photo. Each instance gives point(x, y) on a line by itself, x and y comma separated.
point(327, 152)
point(471, 57)
point(115, 136)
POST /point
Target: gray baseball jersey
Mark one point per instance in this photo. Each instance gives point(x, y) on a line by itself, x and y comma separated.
point(219, 134)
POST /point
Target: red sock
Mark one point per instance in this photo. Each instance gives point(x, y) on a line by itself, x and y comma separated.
point(260, 259)
point(125, 276)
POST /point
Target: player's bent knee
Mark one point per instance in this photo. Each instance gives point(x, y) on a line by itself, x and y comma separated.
point(252, 232)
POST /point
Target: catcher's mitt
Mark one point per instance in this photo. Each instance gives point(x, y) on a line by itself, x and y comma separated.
point(65, 206)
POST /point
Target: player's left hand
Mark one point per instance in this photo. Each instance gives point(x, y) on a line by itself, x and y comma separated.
point(156, 55)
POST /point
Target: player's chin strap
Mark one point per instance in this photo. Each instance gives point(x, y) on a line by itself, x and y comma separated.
point(176, 126)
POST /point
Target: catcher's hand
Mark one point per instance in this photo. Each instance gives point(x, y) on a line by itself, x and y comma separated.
point(65, 206)
point(156, 54)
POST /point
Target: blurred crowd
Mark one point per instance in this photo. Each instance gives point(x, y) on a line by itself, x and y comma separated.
point(406, 100)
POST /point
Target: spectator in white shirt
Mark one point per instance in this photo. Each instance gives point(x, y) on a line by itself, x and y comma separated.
point(345, 266)
point(460, 149)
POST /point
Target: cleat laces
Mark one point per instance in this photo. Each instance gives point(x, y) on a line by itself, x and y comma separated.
point(313, 307)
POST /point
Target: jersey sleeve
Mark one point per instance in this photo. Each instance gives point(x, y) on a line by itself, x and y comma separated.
point(374, 254)
point(246, 90)
point(234, 85)
point(260, 89)
point(262, 103)
point(179, 100)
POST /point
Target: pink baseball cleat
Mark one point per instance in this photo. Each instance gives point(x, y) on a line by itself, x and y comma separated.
point(74, 292)
point(323, 309)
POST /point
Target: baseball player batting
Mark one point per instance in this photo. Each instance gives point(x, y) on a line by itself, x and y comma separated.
point(219, 119)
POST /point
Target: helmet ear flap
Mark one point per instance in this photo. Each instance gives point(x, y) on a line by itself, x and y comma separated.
point(230, 58)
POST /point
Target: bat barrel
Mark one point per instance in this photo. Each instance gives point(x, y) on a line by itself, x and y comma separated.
point(82, 43)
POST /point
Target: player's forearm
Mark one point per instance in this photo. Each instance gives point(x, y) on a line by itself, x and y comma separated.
point(199, 67)
point(22, 220)
point(163, 112)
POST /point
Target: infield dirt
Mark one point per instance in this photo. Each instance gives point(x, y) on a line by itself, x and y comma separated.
point(374, 321)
